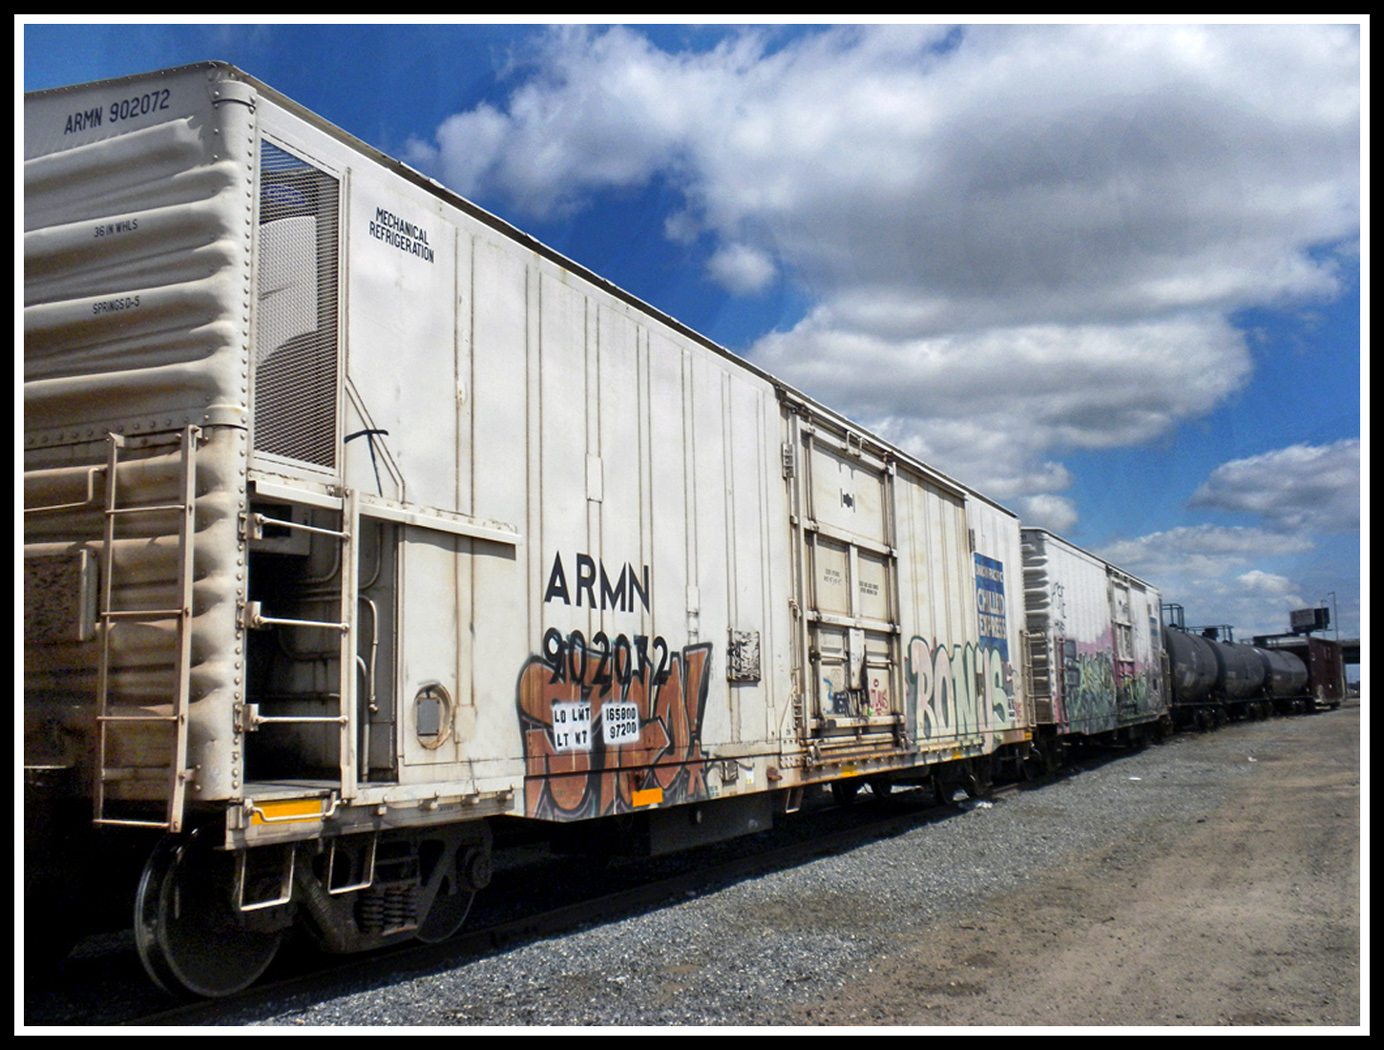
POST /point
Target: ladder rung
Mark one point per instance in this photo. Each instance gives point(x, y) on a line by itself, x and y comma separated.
point(261, 520)
point(284, 719)
point(261, 621)
point(136, 718)
point(147, 510)
point(135, 614)
point(132, 823)
point(145, 773)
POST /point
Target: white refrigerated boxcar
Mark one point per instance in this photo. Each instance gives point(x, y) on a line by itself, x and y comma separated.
point(355, 518)
point(1095, 649)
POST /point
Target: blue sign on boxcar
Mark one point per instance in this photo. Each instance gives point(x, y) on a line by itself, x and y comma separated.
point(990, 604)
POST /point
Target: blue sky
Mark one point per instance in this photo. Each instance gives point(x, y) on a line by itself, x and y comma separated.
point(1108, 274)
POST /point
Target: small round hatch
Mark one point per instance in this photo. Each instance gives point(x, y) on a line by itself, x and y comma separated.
point(432, 716)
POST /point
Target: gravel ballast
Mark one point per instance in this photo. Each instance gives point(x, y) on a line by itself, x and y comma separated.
point(762, 951)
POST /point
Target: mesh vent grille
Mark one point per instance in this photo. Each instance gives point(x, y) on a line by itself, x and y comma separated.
point(296, 329)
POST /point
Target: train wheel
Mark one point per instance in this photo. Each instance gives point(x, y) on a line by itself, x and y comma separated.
point(192, 939)
point(880, 787)
point(980, 778)
point(1043, 760)
point(458, 874)
point(843, 792)
point(446, 915)
point(946, 782)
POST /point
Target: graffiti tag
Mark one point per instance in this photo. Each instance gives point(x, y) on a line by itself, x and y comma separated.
point(1098, 692)
point(606, 720)
point(963, 690)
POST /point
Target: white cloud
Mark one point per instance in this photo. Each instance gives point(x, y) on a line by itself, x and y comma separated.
point(1228, 574)
point(1018, 239)
point(1054, 513)
point(1200, 552)
point(1213, 572)
point(741, 268)
point(1314, 487)
point(1271, 585)
point(986, 405)
point(602, 110)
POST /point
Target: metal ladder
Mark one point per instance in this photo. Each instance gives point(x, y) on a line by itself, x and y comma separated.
point(346, 718)
point(111, 720)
